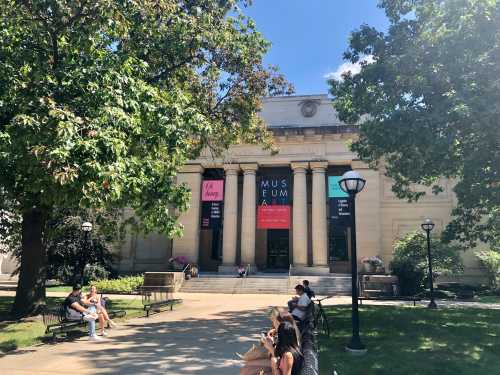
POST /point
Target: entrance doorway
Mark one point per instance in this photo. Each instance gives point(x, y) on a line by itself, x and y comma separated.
point(278, 245)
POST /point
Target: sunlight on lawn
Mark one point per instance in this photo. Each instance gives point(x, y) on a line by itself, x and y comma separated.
point(414, 340)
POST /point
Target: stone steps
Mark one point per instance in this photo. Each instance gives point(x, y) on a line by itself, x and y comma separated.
point(262, 284)
point(8, 283)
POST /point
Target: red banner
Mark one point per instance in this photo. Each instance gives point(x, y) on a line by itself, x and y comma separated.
point(273, 217)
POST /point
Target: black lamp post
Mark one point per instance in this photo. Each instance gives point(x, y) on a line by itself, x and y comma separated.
point(86, 228)
point(352, 183)
point(428, 226)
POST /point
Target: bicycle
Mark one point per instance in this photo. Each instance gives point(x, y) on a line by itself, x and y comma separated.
point(320, 318)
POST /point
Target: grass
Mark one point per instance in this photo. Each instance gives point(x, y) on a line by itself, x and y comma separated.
point(59, 288)
point(488, 299)
point(18, 334)
point(414, 340)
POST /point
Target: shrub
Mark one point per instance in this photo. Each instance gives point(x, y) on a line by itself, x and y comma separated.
point(125, 284)
point(411, 266)
point(490, 259)
point(94, 272)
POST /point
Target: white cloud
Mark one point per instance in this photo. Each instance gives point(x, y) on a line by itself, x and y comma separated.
point(348, 66)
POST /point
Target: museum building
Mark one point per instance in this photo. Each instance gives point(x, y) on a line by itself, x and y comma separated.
point(285, 211)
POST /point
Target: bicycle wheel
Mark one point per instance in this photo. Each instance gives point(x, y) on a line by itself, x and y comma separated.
point(323, 323)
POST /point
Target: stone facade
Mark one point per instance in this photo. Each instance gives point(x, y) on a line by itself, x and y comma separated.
point(312, 145)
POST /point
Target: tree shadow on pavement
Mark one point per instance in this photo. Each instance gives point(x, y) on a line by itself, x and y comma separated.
point(188, 346)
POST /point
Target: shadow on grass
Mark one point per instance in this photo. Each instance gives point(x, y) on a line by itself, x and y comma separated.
point(414, 340)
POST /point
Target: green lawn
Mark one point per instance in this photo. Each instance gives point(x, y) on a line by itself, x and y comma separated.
point(15, 335)
point(59, 288)
point(414, 340)
point(488, 299)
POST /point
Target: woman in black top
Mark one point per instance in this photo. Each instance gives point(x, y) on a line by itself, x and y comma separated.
point(286, 358)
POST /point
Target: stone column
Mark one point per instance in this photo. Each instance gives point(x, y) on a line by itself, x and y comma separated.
point(319, 229)
point(299, 214)
point(368, 212)
point(248, 214)
point(188, 244)
point(229, 234)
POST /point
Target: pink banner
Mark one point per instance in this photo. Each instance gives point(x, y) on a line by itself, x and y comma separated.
point(212, 190)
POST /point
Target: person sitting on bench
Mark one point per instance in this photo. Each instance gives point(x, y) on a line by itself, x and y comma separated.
point(94, 299)
point(298, 305)
point(75, 310)
point(310, 293)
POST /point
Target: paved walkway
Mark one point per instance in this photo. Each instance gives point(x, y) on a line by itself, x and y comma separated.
point(199, 337)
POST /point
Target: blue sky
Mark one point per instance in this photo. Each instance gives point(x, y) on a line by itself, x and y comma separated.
point(309, 36)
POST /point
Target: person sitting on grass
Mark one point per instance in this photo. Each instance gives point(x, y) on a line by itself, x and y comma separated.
point(298, 305)
point(310, 293)
point(94, 299)
point(75, 310)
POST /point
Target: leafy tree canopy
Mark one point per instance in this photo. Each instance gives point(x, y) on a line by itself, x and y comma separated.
point(428, 102)
point(102, 101)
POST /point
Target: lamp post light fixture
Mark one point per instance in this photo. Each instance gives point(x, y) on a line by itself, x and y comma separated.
point(352, 183)
point(428, 226)
point(86, 228)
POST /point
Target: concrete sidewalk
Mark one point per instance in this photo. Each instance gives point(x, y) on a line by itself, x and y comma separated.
point(199, 337)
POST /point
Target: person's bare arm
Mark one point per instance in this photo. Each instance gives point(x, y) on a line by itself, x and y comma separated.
point(76, 306)
point(288, 364)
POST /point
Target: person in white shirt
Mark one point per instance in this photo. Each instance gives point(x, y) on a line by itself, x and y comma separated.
point(298, 305)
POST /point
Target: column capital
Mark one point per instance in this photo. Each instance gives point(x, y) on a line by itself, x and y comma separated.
point(231, 168)
point(300, 167)
point(319, 166)
point(192, 168)
point(249, 168)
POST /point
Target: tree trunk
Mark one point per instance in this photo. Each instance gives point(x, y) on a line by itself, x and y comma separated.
point(30, 293)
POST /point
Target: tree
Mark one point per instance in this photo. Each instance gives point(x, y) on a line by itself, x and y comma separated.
point(102, 101)
point(72, 258)
point(410, 262)
point(428, 102)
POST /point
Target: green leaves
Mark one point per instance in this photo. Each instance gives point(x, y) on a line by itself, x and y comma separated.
point(428, 103)
point(101, 102)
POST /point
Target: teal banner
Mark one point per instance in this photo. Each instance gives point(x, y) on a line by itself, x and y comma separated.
point(334, 190)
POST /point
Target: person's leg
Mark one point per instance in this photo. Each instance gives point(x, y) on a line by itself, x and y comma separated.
point(104, 313)
point(101, 322)
point(91, 325)
point(91, 322)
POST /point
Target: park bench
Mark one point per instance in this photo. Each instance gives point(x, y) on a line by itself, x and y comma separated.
point(55, 320)
point(310, 365)
point(157, 292)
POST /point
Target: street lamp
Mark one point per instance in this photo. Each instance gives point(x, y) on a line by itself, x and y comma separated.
point(86, 228)
point(352, 183)
point(428, 226)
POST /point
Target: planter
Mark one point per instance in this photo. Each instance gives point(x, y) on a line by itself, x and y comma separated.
point(367, 267)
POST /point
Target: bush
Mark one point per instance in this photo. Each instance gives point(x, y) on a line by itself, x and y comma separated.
point(94, 272)
point(411, 266)
point(125, 284)
point(490, 259)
